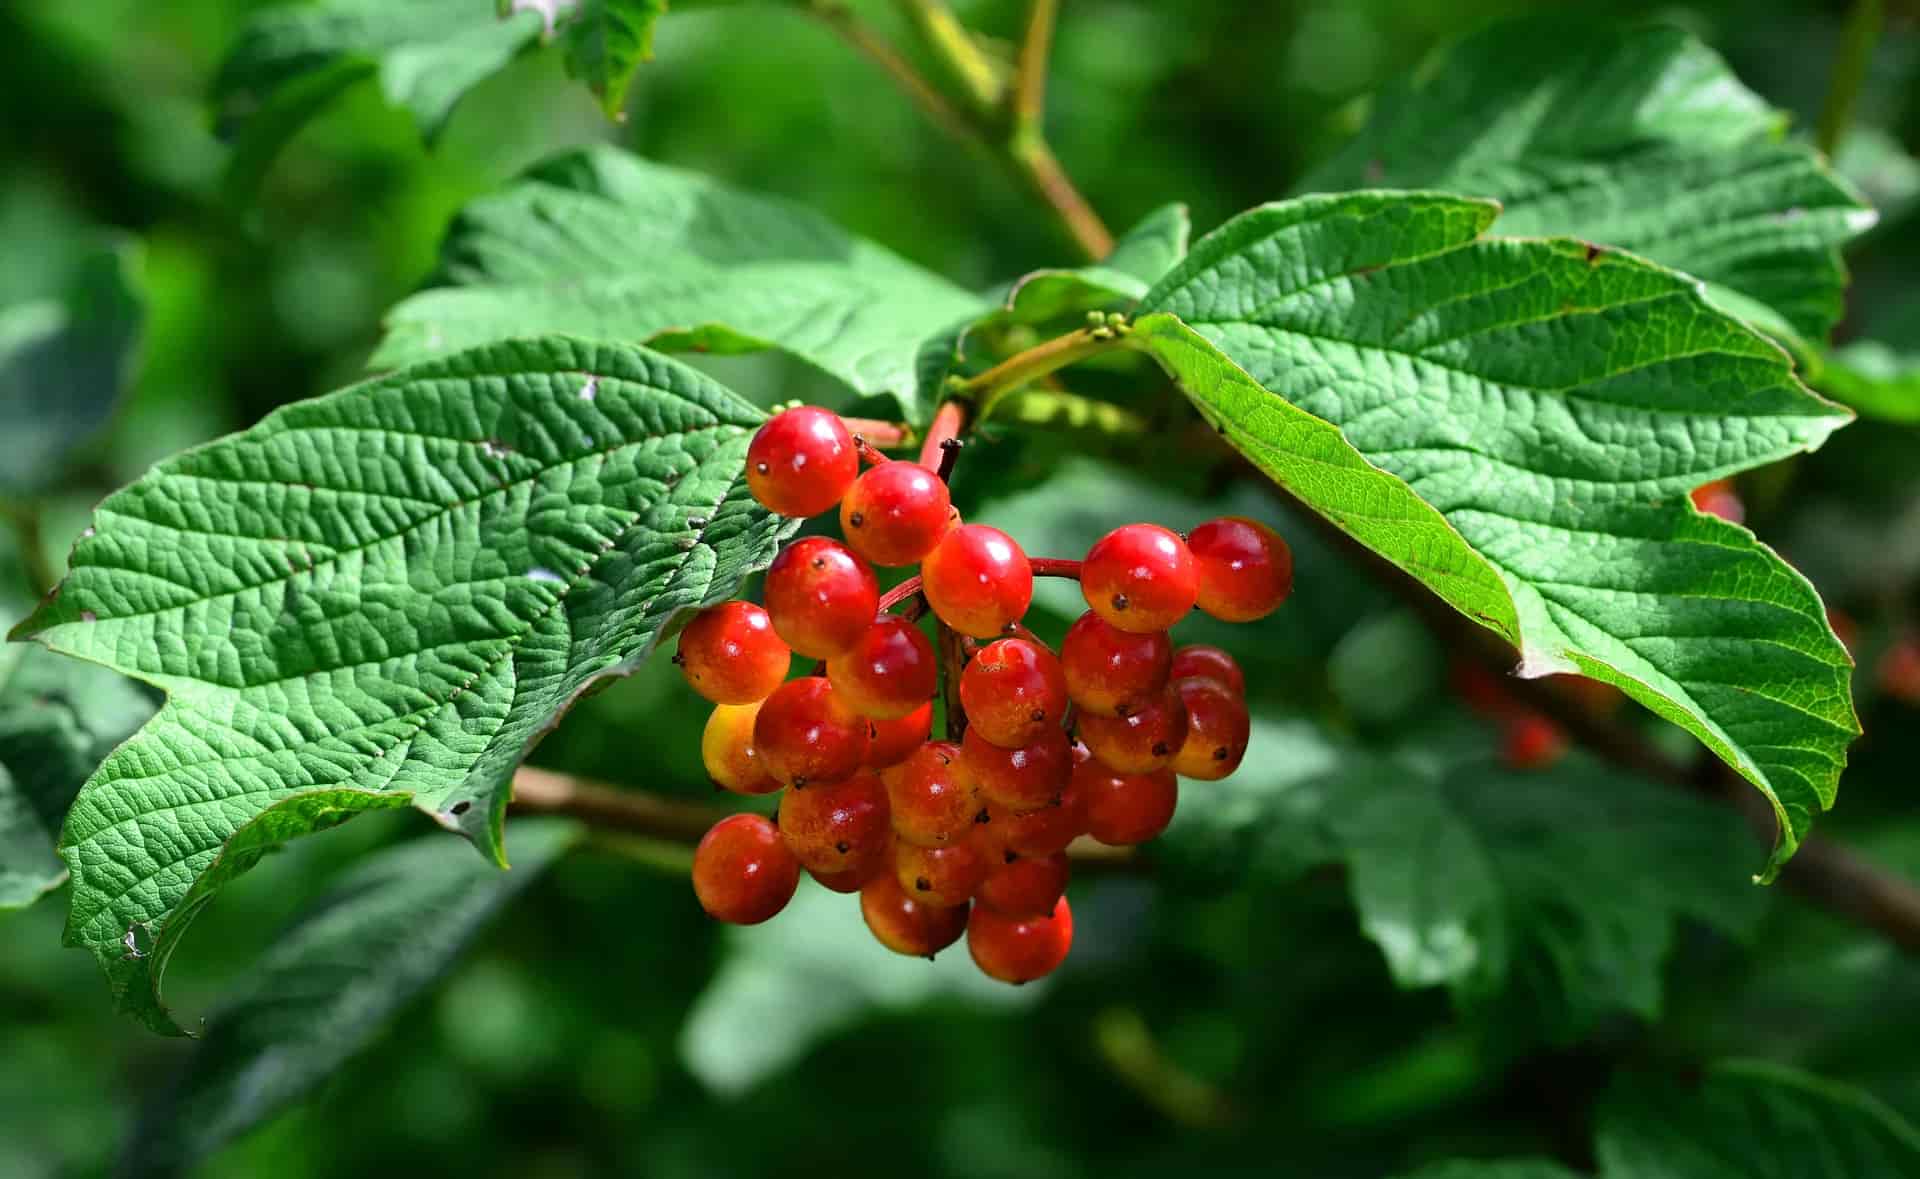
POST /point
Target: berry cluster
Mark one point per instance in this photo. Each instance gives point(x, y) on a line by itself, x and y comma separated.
point(968, 834)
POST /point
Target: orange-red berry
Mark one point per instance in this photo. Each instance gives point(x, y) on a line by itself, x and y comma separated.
point(801, 462)
point(1013, 690)
point(730, 654)
point(806, 733)
point(1245, 569)
point(1019, 949)
point(977, 580)
point(742, 872)
point(1140, 578)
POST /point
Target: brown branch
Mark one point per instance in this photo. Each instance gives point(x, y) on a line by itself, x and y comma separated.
point(870, 44)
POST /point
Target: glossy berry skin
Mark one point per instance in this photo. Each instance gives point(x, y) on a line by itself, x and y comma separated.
point(1127, 809)
point(1144, 740)
point(1022, 779)
point(933, 797)
point(940, 876)
point(726, 748)
point(1532, 741)
point(1217, 730)
point(1027, 887)
point(892, 741)
point(832, 827)
point(889, 672)
point(1207, 662)
point(866, 864)
point(805, 733)
point(907, 925)
point(1019, 949)
point(1013, 691)
point(1245, 569)
point(1140, 578)
point(1110, 671)
point(742, 872)
point(821, 596)
point(977, 580)
point(1038, 832)
point(895, 513)
point(730, 654)
point(801, 462)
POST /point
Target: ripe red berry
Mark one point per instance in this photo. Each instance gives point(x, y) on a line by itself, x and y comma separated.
point(726, 747)
point(977, 580)
point(801, 462)
point(742, 872)
point(1142, 741)
point(896, 513)
point(1013, 690)
point(940, 876)
point(1245, 569)
point(1041, 831)
point(1110, 671)
point(1211, 663)
point(1019, 949)
point(821, 596)
point(1022, 779)
point(1140, 578)
point(805, 733)
point(907, 925)
point(1719, 498)
point(730, 654)
point(1532, 741)
point(892, 741)
point(1217, 729)
point(1125, 809)
point(1026, 887)
point(867, 863)
point(836, 826)
point(932, 796)
point(889, 671)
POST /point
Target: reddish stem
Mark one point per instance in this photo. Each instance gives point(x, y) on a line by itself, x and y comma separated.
point(1055, 567)
point(878, 433)
point(947, 424)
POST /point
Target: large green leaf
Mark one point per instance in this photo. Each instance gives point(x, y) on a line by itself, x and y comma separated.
point(385, 931)
point(1554, 403)
point(383, 596)
point(600, 243)
point(58, 720)
point(1749, 1120)
point(64, 357)
point(1641, 139)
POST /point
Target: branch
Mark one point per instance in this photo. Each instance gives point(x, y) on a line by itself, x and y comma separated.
point(875, 48)
point(1030, 75)
point(941, 31)
point(1023, 368)
point(1857, 41)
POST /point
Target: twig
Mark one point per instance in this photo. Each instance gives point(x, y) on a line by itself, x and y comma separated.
point(886, 435)
point(1030, 75)
point(1857, 41)
point(953, 46)
point(871, 45)
point(948, 421)
point(1023, 368)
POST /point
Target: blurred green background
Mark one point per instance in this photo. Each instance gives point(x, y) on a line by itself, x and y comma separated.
point(602, 1025)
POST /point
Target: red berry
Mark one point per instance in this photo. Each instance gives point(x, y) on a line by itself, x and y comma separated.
point(821, 596)
point(1245, 569)
point(1217, 729)
point(906, 925)
point(1719, 498)
point(730, 654)
point(1211, 663)
point(1013, 691)
point(805, 733)
point(1532, 741)
point(1022, 779)
point(1041, 831)
point(1019, 949)
point(726, 747)
point(892, 741)
point(1026, 887)
point(1110, 671)
point(889, 671)
point(742, 872)
point(1125, 809)
point(932, 797)
point(896, 513)
point(1140, 578)
point(832, 827)
point(940, 876)
point(868, 864)
point(977, 580)
point(1142, 741)
point(801, 462)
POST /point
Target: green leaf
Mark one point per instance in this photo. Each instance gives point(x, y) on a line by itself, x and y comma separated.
point(747, 1026)
point(426, 53)
point(385, 931)
point(1640, 139)
point(606, 40)
point(1553, 403)
point(64, 357)
point(1877, 380)
point(1750, 1120)
point(381, 597)
point(58, 720)
point(1153, 246)
point(1498, 1169)
point(600, 243)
